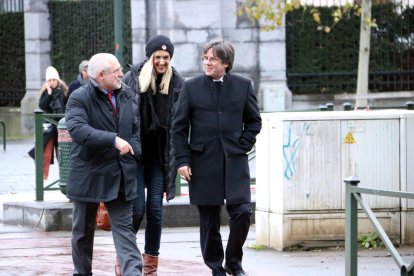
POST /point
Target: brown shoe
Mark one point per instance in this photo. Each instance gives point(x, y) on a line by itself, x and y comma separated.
point(150, 265)
point(117, 267)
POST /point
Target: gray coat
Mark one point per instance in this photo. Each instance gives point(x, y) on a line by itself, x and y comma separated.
point(213, 129)
point(96, 168)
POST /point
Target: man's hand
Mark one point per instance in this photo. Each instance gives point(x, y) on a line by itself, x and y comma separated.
point(123, 146)
point(185, 171)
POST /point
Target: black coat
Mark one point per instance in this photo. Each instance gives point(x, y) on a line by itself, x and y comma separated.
point(51, 104)
point(96, 168)
point(168, 159)
point(213, 129)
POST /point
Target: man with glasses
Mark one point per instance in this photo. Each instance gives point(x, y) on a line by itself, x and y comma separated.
point(103, 120)
point(214, 127)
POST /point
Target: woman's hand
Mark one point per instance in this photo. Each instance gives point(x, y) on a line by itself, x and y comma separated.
point(48, 88)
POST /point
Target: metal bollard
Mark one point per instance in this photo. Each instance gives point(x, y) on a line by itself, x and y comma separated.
point(347, 106)
point(323, 107)
point(330, 106)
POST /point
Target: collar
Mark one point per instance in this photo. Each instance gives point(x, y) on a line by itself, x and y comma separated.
point(96, 85)
point(219, 80)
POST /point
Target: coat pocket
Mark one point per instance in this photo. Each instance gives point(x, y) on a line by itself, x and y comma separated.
point(197, 147)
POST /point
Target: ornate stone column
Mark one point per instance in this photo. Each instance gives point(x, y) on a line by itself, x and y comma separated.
point(37, 51)
point(274, 94)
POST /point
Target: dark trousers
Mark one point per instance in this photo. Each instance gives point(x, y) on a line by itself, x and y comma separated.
point(83, 232)
point(210, 237)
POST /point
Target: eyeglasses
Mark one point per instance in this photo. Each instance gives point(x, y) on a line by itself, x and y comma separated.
point(207, 59)
point(116, 71)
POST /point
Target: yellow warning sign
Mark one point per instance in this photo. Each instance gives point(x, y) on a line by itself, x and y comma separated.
point(349, 139)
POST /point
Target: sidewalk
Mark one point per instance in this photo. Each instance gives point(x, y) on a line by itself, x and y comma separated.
point(17, 175)
point(25, 251)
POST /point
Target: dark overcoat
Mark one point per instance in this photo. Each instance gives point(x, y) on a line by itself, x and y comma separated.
point(96, 168)
point(214, 127)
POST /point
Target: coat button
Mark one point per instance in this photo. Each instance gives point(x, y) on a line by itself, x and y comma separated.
point(220, 113)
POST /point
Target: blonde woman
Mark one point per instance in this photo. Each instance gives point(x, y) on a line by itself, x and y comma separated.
point(53, 98)
point(157, 85)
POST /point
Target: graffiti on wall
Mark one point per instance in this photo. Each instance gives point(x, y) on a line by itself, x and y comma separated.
point(291, 150)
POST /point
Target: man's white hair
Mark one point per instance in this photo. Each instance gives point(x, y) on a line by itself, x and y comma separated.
point(100, 62)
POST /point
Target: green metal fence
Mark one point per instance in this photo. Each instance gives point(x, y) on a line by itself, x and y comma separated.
point(319, 62)
point(40, 118)
point(4, 134)
point(352, 198)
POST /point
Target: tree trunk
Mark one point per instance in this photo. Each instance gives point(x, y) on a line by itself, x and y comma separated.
point(363, 60)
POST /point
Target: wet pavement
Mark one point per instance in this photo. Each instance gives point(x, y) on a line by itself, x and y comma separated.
point(26, 251)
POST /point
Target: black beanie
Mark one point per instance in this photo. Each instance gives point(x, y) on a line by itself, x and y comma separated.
point(159, 42)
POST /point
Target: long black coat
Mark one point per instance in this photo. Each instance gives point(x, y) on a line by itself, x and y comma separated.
point(131, 79)
point(213, 129)
point(96, 167)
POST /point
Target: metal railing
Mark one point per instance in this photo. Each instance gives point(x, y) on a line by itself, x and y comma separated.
point(4, 134)
point(352, 198)
point(181, 182)
point(40, 118)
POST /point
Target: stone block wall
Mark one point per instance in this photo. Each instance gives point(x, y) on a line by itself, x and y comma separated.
point(260, 55)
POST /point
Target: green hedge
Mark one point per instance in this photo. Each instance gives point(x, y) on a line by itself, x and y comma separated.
point(80, 29)
point(12, 59)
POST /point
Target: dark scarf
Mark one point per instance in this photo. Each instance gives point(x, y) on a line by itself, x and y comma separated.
point(56, 104)
point(155, 111)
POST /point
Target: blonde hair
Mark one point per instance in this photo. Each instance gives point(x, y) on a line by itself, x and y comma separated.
point(61, 84)
point(148, 76)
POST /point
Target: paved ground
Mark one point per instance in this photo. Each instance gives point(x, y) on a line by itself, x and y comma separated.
point(28, 252)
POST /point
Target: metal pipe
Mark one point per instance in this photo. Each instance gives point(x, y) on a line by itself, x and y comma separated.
point(119, 43)
point(39, 153)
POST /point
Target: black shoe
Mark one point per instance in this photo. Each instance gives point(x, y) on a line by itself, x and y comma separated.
point(235, 273)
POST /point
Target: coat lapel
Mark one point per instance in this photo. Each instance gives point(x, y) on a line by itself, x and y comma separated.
point(103, 104)
point(125, 130)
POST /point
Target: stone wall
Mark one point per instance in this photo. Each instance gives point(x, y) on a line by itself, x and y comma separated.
point(260, 55)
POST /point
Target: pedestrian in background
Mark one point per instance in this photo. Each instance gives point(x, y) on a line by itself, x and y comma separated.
point(214, 127)
point(82, 77)
point(53, 98)
point(103, 120)
point(158, 85)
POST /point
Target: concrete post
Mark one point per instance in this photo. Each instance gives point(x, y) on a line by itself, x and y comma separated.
point(139, 26)
point(273, 91)
point(143, 26)
point(37, 51)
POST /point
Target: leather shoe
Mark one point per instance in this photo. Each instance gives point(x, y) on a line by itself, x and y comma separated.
point(235, 273)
